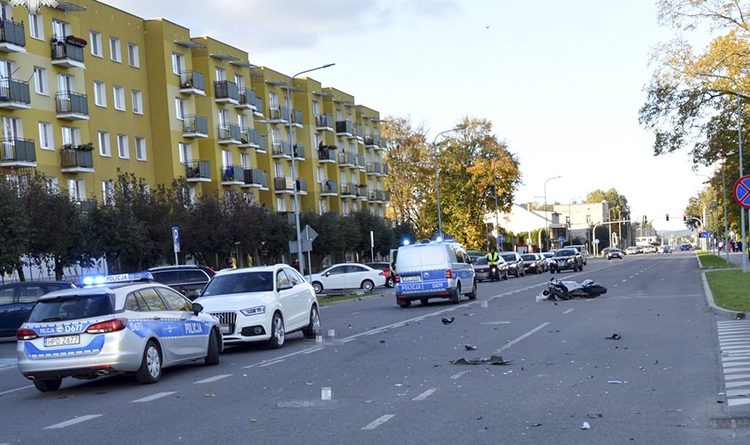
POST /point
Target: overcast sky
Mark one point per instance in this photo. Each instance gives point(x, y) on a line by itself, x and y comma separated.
point(562, 81)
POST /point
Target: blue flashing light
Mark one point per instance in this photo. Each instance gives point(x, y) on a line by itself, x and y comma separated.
point(439, 239)
point(88, 281)
point(406, 242)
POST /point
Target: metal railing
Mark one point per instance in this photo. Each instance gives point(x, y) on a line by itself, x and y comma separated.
point(192, 79)
point(232, 173)
point(12, 90)
point(12, 32)
point(197, 170)
point(17, 150)
point(72, 103)
point(73, 157)
point(195, 124)
point(63, 49)
point(256, 176)
point(229, 132)
point(225, 89)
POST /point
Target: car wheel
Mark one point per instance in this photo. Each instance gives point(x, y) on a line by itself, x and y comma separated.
point(473, 294)
point(367, 285)
point(212, 354)
point(277, 331)
point(505, 276)
point(456, 297)
point(314, 327)
point(580, 268)
point(552, 271)
point(404, 304)
point(317, 287)
point(47, 385)
point(150, 370)
point(424, 300)
point(389, 282)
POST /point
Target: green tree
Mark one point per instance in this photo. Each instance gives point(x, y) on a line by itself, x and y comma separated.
point(14, 235)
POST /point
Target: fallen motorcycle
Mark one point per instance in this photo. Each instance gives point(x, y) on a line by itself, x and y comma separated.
point(565, 290)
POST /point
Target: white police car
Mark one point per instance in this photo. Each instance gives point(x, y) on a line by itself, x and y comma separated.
point(121, 324)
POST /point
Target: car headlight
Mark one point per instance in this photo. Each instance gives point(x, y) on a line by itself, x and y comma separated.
point(257, 310)
point(553, 261)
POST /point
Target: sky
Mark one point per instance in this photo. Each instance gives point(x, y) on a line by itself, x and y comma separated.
point(561, 81)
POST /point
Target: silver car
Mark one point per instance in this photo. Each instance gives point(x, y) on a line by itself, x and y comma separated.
point(135, 327)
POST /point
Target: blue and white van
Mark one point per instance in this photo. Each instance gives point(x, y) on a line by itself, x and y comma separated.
point(433, 270)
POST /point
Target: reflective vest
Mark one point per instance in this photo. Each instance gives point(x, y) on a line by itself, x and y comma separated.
point(493, 258)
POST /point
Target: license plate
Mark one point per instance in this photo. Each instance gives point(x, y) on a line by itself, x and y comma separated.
point(226, 329)
point(410, 278)
point(62, 341)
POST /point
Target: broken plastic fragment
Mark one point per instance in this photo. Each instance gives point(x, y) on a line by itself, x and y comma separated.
point(470, 347)
point(446, 320)
point(594, 415)
point(491, 360)
point(614, 336)
point(586, 426)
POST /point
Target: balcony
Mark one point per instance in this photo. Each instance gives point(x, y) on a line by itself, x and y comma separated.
point(329, 188)
point(194, 126)
point(374, 168)
point(247, 100)
point(358, 133)
point(360, 191)
point(12, 37)
point(250, 137)
point(85, 205)
point(299, 151)
point(326, 154)
point(193, 83)
point(255, 178)
point(347, 159)
point(72, 106)
point(387, 196)
point(372, 142)
point(344, 128)
point(14, 94)
point(198, 171)
point(385, 170)
point(297, 118)
point(226, 92)
point(17, 153)
point(68, 51)
point(76, 160)
point(348, 191)
point(376, 196)
point(324, 122)
point(257, 106)
point(283, 185)
point(233, 175)
point(229, 134)
point(289, 216)
point(281, 150)
point(278, 115)
point(302, 186)
point(361, 162)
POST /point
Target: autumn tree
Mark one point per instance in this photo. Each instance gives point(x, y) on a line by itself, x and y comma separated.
point(14, 236)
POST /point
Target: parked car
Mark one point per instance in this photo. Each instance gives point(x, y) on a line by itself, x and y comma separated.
point(583, 251)
point(132, 326)
point(348, 276)
point(665, 248)
point(547, 256)
point(482, 269)
point(18, 299)
point(261, 304)
point(633, 250)
point(386, 268)
point(566, 259)
point(187, 279)
point(614, 253)
point(433, 270)
point(515, 263)
point(533, 263)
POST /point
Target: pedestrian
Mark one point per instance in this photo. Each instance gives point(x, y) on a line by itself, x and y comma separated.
point(295, 265)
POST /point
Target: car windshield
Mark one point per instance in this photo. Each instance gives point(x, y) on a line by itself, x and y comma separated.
point(72, 307)
point(565, 252)
point(529, 257)
point(480, 260)
point(237, 283)
point(509, 257)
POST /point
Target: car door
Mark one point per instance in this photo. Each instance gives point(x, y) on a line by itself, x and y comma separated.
point(164, 324)
point(194, 332)
point(354, 276)
point(300, 297)
point(285, 293)
point(335, 278)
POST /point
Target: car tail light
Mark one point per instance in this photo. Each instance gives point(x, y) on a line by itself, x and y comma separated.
point(448, 273)
point(26, 334)
point(118, 324)
point(396, 278)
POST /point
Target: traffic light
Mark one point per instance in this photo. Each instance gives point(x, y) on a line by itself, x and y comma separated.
point(567, 221)
point(684, 218)
point(667, 216)
point(645, 220)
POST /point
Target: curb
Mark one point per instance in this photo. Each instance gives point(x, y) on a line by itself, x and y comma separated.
point(710, 298)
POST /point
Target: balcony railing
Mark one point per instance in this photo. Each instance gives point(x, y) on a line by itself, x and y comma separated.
point(348, 190)
point(386, 196)
point(229, 134)
point(17, 151)
point(347, 159)
point(375, 168)
point(192, 82)
point(14, 94)
point(297, 117)
point(256, 177)
point(376, 195)
point(281, 149)
point(301, 185)
point(344, 127)
point(194, 126)
point(250, 137)
point(12, 36)
point(361, 161)
point(283, 184)
point(72, 105)
point(76, 159)
point(372, 141)
point(67, 51)
point(323, 121)
point(385, 169)
point(299, 150)
point(247, 99)
point(226, 91)
point(328, 187)
point(198, 171)
point(278, 114)
point(257, 104)
point(85, 205)
point(327, 153)
point(358, 131)
point(232, 173)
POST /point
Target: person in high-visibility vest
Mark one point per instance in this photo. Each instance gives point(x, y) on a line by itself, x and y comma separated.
point(493, 258)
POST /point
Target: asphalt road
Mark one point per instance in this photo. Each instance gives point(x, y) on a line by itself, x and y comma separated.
point(382, 374)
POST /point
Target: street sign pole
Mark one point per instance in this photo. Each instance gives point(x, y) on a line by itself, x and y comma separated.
point(372, 247)
point(742, 196)
point(176, 244)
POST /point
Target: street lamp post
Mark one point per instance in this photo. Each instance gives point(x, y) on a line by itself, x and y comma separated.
point(546, 221)
point(437, 179)
point(300, 257)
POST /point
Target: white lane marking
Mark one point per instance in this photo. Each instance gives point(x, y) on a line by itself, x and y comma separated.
point(158, 395)
point(458, 375)
point(212, 379)
point(379, 331)
point(568, 311)
point(14, 390)
point(377, 422)
point(734, 359)
point(736, 402)
point(737, 376)
point(275, 360)
point(494, 322)
point(738, 392)
point(70, 422)
point(731, 348)
point(736, 384)
point(531, 332)
point(424, 395)
point(624, 281)
point(727, 371)
point(272, 362)
point(735, 364)
point(313, 350)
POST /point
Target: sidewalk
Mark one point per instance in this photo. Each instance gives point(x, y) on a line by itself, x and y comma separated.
point(733, 257)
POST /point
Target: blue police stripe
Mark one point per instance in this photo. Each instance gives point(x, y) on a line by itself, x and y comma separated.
point(93, 347)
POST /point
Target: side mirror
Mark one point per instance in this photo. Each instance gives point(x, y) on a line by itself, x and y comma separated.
point(327, 274)
point(285, 286)
point(197, 308)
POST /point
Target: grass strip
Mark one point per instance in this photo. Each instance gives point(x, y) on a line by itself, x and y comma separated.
point(710, 261)
point(731, 289)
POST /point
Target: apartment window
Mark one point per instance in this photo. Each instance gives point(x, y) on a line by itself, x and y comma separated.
point(65, 83)
point(77, 189)
point(345, 207)
point(137, 102)
point(36, 28)
point(95, 41)
point(279, 169)
point(140, 149)
point(245, 160)
point(273, 101)
point(41, 84)
point(242, 121)
point(123, 151)
point(178, 63)
point(226, 158)
point(221, 74)
point(240, 81)
point(46, 138)
point(185, 152)
point(100, 94)
point(321, 175)
point(339, 115)
point(275, 135)
point(52, 184)
point(119, 95)
point(280, 205)
point(108, 191)
point(104, 148)
point(316, 108)
point(60, 29)
point(71, 136)
point(223, 117)
point(134, 58)
point(114, 49)
point(181, 108)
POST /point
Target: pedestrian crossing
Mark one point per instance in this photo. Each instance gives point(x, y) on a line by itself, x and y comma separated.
point(734, 342)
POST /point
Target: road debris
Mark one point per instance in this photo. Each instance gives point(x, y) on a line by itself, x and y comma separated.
point(470, 347)
point(586, 426)
point(491, 360)
point(594, 415)
point(740, 316)
point(447, 320)
point(614, 336)
point(615, 382)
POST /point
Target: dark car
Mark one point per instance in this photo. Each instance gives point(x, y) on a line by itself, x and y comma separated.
point(18, 299)
point(482, 268)
point(515, 263)
point(533, 263)
point(386, 268)
point(187, 279)
point(566, 259)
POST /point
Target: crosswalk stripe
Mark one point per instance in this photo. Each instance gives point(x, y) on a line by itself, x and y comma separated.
point(736, 370)
point(735, 364)
point(736, 376)
point(734, 359)
point(738, 392)
point(740, 401)
point(737, 384)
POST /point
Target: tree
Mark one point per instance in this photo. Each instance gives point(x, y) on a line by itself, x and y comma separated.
point(14, 235)
point(613, 199)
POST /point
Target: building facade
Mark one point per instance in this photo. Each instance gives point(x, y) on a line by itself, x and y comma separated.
point(88, 90)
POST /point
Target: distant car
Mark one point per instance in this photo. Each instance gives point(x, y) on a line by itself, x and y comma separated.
point(614, 253)
point(566, 258)
point(386, 268)
point(347, 276)
point(189, 280)
point(18, 299)
point(515, 263)
point(547, 256)
point(665, 248)
point(261, 304)
point(632, 250)
point(482, 269)
point(686, 246)
point(533, 263)
point(583, 251)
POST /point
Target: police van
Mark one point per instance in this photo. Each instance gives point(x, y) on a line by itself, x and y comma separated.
point(433, 269)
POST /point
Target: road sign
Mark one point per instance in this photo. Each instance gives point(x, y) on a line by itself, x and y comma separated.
point(176, 239)
point(561, 239)
point(306, 246)
point(704, 234)
point(501, 239)
point(742, 191)
point(596, 241)
point(310, 234)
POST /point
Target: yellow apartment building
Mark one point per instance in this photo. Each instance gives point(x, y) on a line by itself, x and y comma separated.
point(87, 90)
